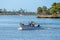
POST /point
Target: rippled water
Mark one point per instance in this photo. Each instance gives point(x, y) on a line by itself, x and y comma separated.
point(9, 28)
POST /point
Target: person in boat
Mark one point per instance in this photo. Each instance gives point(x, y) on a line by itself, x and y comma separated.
point(32, 23)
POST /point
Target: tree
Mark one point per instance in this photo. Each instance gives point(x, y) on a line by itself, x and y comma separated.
point(52, 10)
point(54, 4)
point(55, 7)
point(44, 9)
point(39, 10)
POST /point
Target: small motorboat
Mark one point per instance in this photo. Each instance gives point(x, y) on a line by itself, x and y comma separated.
point(29, 27)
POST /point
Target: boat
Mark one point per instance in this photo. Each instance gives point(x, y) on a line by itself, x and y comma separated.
point(21, 15)
point(28, 27)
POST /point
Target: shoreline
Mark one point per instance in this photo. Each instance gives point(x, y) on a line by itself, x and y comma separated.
point(37, 16)
point(47, 16)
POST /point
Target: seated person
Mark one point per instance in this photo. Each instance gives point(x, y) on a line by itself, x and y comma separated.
point(32, 23)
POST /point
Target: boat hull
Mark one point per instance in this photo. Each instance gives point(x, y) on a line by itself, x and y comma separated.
point(27, 27)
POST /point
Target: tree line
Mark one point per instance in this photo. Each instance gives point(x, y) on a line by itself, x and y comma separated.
point(53, 10)
point(14, 12)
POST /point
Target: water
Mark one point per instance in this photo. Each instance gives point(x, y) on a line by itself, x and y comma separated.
point(9, 28)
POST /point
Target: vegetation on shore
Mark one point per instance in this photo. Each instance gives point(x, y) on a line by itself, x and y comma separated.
point(54, 11)
point(14, 12)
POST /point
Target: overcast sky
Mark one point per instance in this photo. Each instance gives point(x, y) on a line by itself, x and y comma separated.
point(28, 5)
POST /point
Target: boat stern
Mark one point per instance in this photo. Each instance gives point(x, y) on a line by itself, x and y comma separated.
point(20, 28)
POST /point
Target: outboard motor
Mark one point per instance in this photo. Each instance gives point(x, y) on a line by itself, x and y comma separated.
point(38, 25)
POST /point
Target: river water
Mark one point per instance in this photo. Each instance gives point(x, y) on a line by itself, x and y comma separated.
point(9, 28)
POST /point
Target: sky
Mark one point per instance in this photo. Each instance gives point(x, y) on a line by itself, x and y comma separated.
point(27, 5)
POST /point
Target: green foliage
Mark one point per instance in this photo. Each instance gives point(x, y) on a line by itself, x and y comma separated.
point(44, 8)
point(55, 7)
point(39, 10)
point(52, 10)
